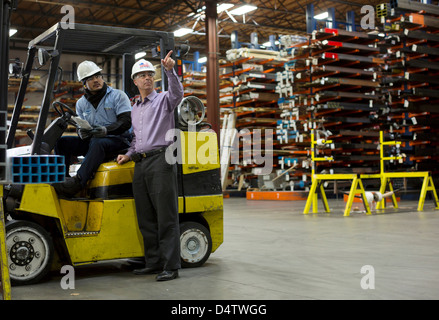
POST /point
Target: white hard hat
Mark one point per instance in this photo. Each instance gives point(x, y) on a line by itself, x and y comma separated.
point(87, 69)
point(140, 66)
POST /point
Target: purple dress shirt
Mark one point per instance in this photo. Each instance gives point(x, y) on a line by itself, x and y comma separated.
point(154, 116)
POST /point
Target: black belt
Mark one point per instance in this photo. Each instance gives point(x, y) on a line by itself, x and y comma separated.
point(136, 157)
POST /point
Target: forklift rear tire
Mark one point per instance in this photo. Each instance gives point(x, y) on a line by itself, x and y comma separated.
point(195, 244)
point(30, 252)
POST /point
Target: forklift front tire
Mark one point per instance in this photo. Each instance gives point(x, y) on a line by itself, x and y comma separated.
point(195, 244)
point(30, 252)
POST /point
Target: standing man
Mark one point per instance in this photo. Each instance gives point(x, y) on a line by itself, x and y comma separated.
point(108, 111)
point(155, 181)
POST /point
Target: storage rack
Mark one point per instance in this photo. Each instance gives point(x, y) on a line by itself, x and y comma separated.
point(194, 84)
point(329, 85)
point(248, 91)
point(353, 84)
point(411, 83)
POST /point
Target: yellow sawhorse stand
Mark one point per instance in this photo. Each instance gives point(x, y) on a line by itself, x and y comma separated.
point(4, 268)
point(386, 177)
point(427, 185)
point(317, 186)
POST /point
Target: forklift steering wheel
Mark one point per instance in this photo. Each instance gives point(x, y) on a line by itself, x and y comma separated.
point(62, 109)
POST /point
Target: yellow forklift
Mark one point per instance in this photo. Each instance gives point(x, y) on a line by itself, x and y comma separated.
point(44, 231)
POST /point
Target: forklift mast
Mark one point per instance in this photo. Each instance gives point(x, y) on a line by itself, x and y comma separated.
point(84, 39)
point(6, 7)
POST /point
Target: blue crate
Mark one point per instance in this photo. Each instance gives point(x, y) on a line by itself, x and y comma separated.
point(38, 169)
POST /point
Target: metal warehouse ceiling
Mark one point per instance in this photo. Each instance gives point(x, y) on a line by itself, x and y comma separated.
point(278, 17)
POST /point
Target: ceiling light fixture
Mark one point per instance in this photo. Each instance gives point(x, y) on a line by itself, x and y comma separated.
point(139, 55)
point(321, 16)
point(202, 60)
point(182, 32)
point(224, 6)
point(242, 10)
point(12, 31)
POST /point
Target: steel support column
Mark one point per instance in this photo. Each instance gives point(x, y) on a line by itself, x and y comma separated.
point(311, 23)
point(213, 113)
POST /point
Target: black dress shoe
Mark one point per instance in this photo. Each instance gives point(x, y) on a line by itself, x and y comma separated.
point(148, 270)
point(167, 275)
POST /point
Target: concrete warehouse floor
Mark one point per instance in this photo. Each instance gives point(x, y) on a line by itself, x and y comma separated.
point(271, 251)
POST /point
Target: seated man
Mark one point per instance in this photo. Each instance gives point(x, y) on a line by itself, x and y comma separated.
point(108, 111)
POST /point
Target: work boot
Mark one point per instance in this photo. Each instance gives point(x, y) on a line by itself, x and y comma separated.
point(69, 187)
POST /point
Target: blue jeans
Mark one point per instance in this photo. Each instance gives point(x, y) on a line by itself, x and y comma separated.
point(94, 150)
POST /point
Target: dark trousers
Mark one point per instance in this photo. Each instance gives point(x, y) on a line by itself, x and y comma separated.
point(95, 150)
point(156, 197)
